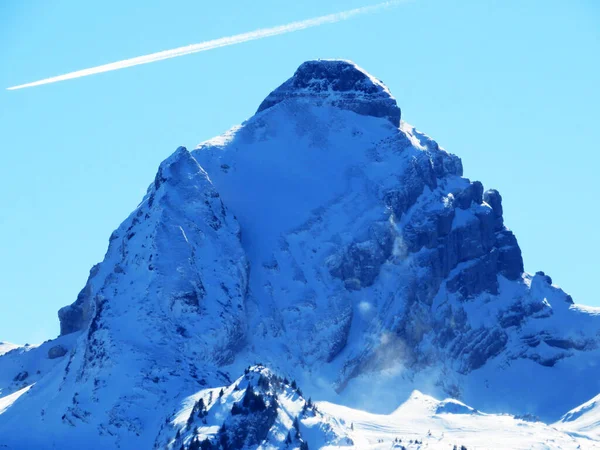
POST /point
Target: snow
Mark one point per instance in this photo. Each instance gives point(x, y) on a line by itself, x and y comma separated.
point(6, 347)
point(7, 401)
point(287, 175)
point(462, 217)
point(586, 310)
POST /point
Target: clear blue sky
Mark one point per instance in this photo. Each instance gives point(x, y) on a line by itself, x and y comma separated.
point(512, 87)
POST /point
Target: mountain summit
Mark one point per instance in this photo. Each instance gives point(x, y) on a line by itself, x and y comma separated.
point(338, 246)
point(337, 83)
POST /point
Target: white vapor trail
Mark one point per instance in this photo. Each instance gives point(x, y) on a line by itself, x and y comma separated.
point(215, 43)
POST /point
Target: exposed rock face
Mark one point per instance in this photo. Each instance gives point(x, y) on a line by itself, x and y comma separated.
point(493, 198)
point(76, 316)
point(337, 83)
point(58, 351)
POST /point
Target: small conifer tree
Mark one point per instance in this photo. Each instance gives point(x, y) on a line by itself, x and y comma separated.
point(206, 445)
point(296, 424)
point(195, 444)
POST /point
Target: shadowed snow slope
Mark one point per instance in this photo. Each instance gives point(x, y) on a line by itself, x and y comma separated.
point(340, 247)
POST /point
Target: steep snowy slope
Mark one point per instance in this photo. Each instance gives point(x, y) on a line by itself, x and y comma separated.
point(336, 244)
point(7, 347)
point(583, 420)
point(157, 316)
point(262, 410)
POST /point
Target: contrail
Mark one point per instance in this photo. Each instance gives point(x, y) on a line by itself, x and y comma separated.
point(215, 43)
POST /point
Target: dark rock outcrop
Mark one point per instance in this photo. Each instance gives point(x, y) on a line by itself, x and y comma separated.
point(478, 276)
point(57, 351)
point(493, 198)
point(472, 194)
point(337, 83)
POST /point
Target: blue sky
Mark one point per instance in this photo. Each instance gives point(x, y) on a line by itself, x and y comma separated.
point(511, 87)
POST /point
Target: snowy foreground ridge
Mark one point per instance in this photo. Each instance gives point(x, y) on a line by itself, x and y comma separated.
point(321, 276)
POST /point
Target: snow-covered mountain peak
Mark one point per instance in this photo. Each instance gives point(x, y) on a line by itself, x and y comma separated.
point(340, 247)
point(339, 83)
